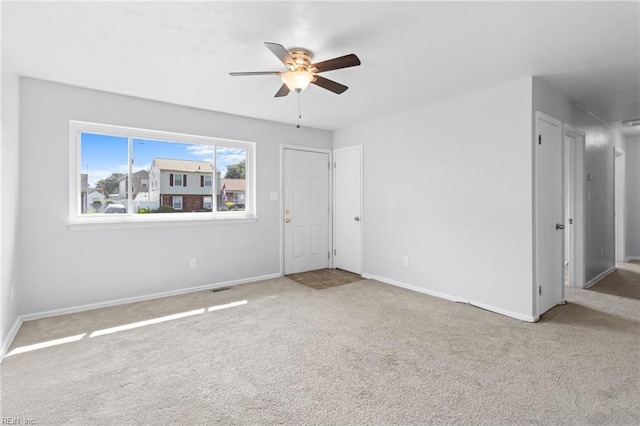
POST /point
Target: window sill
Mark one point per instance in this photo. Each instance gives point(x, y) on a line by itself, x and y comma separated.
point(156, 220)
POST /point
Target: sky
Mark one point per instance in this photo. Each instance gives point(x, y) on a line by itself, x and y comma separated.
point(102, 155)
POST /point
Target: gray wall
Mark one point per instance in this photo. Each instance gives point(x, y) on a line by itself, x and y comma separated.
point(64, 268)
point(9, 266)
point(600, 140)
point(633, 196)
point(449, 185)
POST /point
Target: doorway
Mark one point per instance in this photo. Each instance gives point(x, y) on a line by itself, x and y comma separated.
point(347, 211)
point(306, 209)
point(574, 187)
point(620, 205)
point(548, 213)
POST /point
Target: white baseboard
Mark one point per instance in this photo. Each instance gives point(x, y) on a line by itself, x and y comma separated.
point(630, 258)
point(446, 296)
point(12, 335)
point(598, 277)
point(116, 302)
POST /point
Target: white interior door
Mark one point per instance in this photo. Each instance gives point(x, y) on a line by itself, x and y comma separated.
point(347, 209)
point(306, 210)
point(569, 204)
point(620, 209)
point(549, 212)
point(574, 207)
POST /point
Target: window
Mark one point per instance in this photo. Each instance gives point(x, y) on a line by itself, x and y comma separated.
point(207, 202)
point(158, 172)
point(177, 202)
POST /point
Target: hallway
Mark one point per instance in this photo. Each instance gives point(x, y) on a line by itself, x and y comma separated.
point(623, 282)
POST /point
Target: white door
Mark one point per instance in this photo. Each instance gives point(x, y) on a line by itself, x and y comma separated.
point(549, 212)
point(570, 145)
point(620, 209)
point(347, 209)
point(574, 205)
point(306, 210)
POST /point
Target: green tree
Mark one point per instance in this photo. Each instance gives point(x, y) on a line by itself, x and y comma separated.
point(110, 183)
point(236, 171)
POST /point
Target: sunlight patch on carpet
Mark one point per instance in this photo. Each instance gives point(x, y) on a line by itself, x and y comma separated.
point(48, 344)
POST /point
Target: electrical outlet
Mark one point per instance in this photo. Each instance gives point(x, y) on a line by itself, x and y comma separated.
point(12, 291)
point(601, 252)
point(405, 260)
point(193, 263)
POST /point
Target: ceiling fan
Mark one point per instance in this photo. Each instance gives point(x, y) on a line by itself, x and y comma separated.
point(301, 71)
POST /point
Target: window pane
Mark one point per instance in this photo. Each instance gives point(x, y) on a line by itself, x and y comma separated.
point(103, 167)
point(177, 174)
point(231, 188)
point(208, 203)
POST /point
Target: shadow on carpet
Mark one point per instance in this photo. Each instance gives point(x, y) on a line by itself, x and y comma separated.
point(619, 283)
point(325, 278)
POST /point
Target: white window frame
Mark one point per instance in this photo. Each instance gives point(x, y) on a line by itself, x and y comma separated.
point(175, 179)
point(76, 128)
point(210, 183)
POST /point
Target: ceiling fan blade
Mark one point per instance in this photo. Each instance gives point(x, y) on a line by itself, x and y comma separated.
point(236, 74)
point(345, 61)
point(330, 85)
point(284, 91)
point(280, 52)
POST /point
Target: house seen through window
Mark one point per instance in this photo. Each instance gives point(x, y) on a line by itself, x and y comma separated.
point(144, 172)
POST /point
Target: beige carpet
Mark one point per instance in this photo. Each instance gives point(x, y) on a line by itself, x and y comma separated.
point(361, 353)
point(621, 282)
point(325, 278)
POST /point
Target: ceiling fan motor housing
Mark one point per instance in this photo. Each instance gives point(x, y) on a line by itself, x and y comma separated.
point(302, 58)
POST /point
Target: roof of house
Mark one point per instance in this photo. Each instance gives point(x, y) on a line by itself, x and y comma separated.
point(143, 174)
point(233, 184)
point(100, 191)
point(183, 165)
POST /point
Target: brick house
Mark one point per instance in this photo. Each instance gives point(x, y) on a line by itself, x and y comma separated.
point(184, 185)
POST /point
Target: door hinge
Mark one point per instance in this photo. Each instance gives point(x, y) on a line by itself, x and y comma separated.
point(539, 139)
point(334, 165)
point(328, 255)
point(335, 252)
point(540, 290)
point(570, 221)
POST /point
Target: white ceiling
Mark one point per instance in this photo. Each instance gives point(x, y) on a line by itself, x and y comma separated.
point(413, 53)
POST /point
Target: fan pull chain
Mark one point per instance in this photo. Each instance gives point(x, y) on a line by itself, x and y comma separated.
point(299, 108)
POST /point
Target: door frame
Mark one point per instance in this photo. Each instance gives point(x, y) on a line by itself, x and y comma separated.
point(333, 201)
point(536, 296)
point(574, 161)
point(284, 147)
point(619, 205)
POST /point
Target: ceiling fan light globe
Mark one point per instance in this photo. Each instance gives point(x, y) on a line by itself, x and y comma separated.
point(297, 81)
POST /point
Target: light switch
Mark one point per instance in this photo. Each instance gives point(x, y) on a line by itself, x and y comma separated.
point(274, 196)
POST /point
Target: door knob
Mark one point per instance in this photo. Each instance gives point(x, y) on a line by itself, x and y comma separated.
point(558, 226)
point(357, 218)
point(287, 220)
